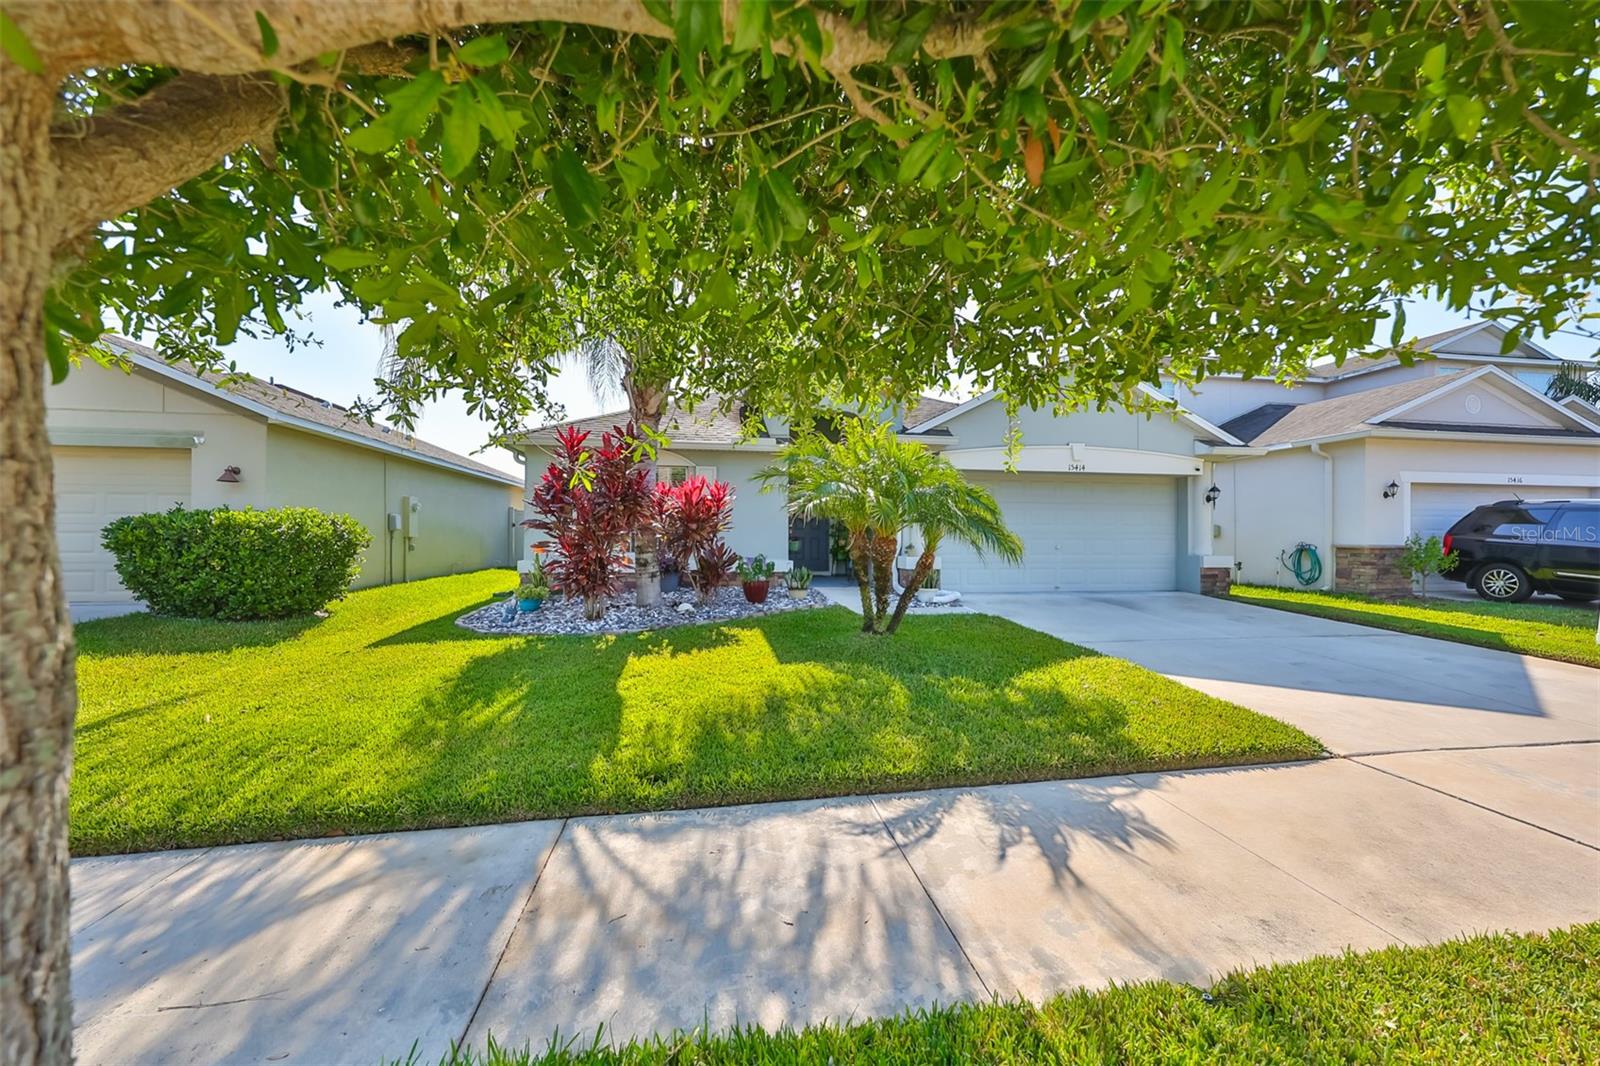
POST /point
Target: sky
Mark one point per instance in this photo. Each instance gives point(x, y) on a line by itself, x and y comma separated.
point(344, 366)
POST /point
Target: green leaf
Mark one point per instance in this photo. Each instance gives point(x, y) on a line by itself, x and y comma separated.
point(795, 214)
point(375, 137)
point(1133, 53)
point(752, 24)
point(916, 158)
point(916, 238)
point(1038, 68)
point(349, 258)
point(487, 51)
point(20, 49)
point(1433, 62)
point(493, 116)
point(411, 105)
point(460, 137)
point(55, 345)
point(269, 36)
point(578, 193)
point(1099, 123)
point(1306, 127)
point(1466, 115)
point(697, 24)
point(912, 31)
point(1172, 62)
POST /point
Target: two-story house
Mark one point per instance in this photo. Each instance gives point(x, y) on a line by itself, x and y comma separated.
point(1222, 484)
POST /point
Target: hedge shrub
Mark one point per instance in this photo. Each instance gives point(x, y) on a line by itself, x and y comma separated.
point(237, 565)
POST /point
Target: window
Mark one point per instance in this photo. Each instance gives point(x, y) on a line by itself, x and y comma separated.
point(1578, 525)
point(1169, 388)
point(1523, 523)
point(1535, 379)
point(674, 475)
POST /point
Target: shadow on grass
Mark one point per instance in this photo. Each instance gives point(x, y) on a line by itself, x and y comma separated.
point(153, 634)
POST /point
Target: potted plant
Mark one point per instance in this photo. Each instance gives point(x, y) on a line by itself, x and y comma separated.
point(756, 576)
point(669, 572)
point(534, 588)
point(798, 581)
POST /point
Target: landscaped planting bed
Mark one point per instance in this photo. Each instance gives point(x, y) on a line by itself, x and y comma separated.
point(1533, 998)
point(388, 715)
point(680, 607)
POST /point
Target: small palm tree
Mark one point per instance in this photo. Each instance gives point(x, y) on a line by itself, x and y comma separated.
point(875, 485)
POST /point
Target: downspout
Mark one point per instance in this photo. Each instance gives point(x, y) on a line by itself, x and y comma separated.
point(1327, 513)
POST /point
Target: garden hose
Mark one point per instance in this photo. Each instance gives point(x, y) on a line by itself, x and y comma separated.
point(1303, 562)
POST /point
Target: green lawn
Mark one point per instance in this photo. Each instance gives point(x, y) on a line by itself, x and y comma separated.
point(1487, 999)
point(386, 715)
point(1552, 632)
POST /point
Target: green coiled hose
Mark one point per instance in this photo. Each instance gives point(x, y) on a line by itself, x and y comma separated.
point(1303, 562)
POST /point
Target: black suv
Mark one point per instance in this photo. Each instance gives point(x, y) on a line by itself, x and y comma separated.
point(1512, 549)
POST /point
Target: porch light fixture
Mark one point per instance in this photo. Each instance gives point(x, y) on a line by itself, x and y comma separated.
point(1391, 490)
point(1213, 493)
point(230, 474)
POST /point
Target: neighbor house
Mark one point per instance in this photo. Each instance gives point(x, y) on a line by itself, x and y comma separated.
point(155, 435)
point(1220, 485)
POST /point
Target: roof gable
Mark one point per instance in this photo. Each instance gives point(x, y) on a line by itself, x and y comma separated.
point(1487, 400)
point(299, 410)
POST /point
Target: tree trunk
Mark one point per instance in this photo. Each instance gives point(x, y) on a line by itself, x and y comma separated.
point(884, 550)
point(918, 576)
point(861, 563)
point(37, 690)
point(647, 405)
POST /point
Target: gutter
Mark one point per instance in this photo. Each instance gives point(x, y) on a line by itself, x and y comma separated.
point(1327, 512)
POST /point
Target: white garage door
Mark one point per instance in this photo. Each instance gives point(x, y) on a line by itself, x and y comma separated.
point(1435, 508)
point(1080, 533)
point(95, 485)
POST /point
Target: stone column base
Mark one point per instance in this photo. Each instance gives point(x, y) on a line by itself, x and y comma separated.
point(1373, 571)
point(1215, 580)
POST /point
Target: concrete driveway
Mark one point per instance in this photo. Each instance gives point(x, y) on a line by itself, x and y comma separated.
point(1359, 690)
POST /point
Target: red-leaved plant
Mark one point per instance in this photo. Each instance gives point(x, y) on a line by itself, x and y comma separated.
point(591, 502)
point(693, 516)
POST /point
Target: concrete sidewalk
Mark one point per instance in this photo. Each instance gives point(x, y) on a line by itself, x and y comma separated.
point(351, 950)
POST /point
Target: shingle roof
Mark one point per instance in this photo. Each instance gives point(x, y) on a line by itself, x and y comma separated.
point(926, 407)
point(704, 423)
point(303, 405)
point(1329, 418)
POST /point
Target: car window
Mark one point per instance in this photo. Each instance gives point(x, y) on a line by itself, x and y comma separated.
point(1524, 523)
point(1576, 525)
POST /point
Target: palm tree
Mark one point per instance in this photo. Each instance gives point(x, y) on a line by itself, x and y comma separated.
point(875, 485)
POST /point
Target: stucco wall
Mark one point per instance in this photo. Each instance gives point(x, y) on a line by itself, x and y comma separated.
point(1382, 522)
point(1221, 398)
point(760, 520)
point(1268, 505)
point(96, 398)
point(464, 522)
point(987, 426)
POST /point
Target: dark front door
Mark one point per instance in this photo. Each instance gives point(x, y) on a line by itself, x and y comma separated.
point(808, 544)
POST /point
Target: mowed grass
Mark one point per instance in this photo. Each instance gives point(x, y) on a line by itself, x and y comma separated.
point(386, 715)
point(1547, 630)
point(1486, 999)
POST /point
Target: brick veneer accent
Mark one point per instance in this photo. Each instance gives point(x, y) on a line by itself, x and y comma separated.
point(1374, 571)
point(1215, 580)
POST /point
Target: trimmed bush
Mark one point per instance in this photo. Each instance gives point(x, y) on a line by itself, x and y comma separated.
point(237, 565)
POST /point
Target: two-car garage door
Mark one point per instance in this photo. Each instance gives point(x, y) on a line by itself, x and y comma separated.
point(95, 485)
point(1080, 533)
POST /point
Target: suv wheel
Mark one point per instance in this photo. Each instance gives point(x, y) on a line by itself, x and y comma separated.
point(1502, 583)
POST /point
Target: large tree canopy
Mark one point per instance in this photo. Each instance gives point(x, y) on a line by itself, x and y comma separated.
point(999, 192)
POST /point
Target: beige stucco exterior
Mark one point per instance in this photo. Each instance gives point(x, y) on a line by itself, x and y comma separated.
point(122, 440)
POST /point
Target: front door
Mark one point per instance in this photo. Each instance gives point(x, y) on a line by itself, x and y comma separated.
point(808, 544)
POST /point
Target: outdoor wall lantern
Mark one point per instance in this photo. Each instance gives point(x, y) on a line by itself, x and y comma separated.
point(1213, 493)
point(230, 474)
point(1391, 490)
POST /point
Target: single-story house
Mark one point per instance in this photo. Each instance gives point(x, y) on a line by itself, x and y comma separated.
point(1221, 485)
point(157, 434)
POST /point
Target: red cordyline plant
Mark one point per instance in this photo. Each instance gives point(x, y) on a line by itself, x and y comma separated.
point(693, 516)
point(591, 502)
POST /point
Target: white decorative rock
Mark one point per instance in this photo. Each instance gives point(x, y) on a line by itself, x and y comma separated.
point(686, 608)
